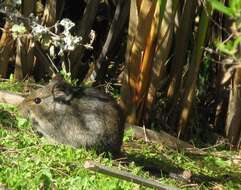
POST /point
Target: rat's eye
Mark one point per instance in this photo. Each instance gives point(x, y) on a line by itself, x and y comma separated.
point(37, 100)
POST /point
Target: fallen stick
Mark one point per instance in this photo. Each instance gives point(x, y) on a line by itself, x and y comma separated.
point(10, 98)
point(158, 137)
point(114, 172)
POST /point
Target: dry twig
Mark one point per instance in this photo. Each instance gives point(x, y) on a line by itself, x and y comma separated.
point(114, 172)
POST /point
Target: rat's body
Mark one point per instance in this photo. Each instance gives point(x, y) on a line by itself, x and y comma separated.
point(80, 117)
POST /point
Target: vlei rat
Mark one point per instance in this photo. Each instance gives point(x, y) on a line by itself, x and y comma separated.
point(77, 116)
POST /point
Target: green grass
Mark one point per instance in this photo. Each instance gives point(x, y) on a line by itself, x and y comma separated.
point(11, 85)
point(30, 162)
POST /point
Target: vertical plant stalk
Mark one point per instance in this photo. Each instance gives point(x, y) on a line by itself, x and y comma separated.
point(116, 28)
point(221, 97)
point(24, 58)
point(84, 30)
point(18, 69)
point(24, 52)
point(190, 85)
point(6, 49)
point(127, 90)
point(183, 36)
point(50, 13)
point(146, 64)
point(168, 10)
point(140, 53)
point(233, 120)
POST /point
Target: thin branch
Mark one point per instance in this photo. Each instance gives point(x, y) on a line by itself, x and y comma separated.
point(114, 172)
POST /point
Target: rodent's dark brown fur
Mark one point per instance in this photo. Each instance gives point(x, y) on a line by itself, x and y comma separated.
point(80, 117)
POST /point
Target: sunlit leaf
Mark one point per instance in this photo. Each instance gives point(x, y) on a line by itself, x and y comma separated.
point(221, 7)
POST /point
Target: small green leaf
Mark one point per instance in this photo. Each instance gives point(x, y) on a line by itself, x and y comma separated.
point(128, 135)
point(227, 48)
point(222, 8)
point(235, 5)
